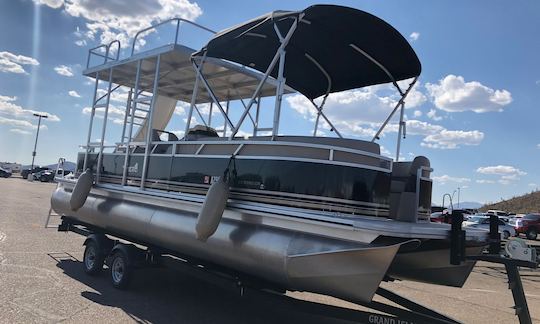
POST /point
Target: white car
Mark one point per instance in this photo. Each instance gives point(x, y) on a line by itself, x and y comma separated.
point(505, 230)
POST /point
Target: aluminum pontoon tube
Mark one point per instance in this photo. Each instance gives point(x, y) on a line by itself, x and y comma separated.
point(292, 259)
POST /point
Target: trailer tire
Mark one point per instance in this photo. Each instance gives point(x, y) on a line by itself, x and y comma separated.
point(120, 269)
point(93, 258)
point(532, 233)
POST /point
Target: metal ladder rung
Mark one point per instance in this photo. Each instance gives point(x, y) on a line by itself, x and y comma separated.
point(143, 100)
point(103, 105)
point(52, 213)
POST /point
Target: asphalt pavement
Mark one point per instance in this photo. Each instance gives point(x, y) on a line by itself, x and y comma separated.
point(42, 281)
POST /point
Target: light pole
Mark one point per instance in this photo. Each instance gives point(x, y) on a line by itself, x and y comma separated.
point(37, 135)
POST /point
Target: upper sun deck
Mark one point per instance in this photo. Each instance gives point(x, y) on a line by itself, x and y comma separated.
point(177, 74)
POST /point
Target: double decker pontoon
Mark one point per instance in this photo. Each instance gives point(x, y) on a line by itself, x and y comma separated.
point(324, 214)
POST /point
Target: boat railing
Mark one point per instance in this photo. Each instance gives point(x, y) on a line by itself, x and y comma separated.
point(103, 51)
point(177, 30)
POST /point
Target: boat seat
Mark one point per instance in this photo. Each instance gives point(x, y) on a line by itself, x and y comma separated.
point(157, 137)
point(403, 189)
point(201, 132)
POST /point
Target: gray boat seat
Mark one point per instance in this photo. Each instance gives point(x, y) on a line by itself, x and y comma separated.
point(403, 190)
point(157, 136)
point(200, 132)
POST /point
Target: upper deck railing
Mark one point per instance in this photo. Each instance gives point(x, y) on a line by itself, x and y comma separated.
point(98, 50)
point(177, 30)
point(104, 50)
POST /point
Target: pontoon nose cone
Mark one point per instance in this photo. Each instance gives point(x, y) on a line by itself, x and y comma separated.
point(212, 209)
point(81, 190)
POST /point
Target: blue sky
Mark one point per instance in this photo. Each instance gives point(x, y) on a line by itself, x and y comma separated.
point(474, 113)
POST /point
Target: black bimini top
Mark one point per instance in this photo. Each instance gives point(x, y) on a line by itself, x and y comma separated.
point(350, 45)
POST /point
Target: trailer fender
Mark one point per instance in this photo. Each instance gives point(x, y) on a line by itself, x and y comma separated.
point(135, 256)
point(105, 244)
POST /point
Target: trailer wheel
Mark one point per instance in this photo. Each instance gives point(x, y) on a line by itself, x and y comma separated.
point(532, 234)
point(120, 270)
point(93, 258)
point(506, 234)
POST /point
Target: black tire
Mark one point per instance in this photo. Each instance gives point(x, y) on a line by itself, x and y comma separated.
point(120, 270)
point(93, 259)
point(506, 235)
point(532, 233)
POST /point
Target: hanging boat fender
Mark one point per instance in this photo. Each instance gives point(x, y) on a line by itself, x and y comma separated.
point(212, 209)
point(214, 204)
point(81, 190)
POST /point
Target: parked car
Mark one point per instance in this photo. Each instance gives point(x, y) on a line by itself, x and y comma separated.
point(4, 173)
point(26, 172)
point(483, 222)
point(437, 217)
point(44, 176)
point(528, 225)
point(48, 175)
point(499, 213)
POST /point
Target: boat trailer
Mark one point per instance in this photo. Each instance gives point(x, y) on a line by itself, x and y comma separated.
point(408, 312)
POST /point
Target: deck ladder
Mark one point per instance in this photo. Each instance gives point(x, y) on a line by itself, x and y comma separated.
point(52, 214)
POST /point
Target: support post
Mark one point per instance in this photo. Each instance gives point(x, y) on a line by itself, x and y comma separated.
point(132, 119)
point(376, 137)
point(126, 113)
point(279, 92)
point(256, 125)
point(284, 43)
point(104, 128)
point(400, 130)
point(149, 121)
point(92, 114)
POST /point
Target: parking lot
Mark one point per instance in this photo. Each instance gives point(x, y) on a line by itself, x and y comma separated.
point(42, 281)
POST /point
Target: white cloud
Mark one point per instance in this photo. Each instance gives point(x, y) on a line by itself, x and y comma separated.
point(19, 123)
point(538, 146)
point(446, 178)
point(449, 139)
point(506, 173)
point(432, 113)
point(358, 112)
point(13, 63)
point(64, 70)
point(74, 93)
point(417, 113)
point(414, 36)
point(533, 185)
point(416, 127)
point(121, 19)
point(51, 3)
point(9, 108)
point(20, 131)
point(453, 94)
point(115, 114)
point(504, 170)
point(485, 181)
point(178, 133)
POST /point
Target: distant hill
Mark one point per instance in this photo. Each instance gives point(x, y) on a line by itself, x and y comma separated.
point(528, 203)
point(469, 205)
